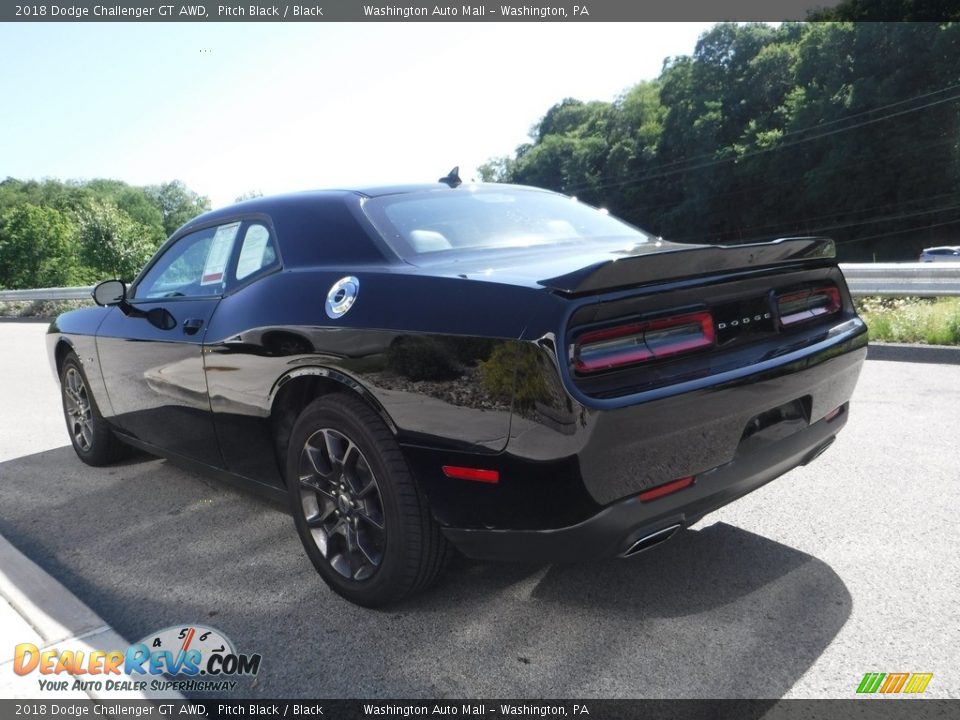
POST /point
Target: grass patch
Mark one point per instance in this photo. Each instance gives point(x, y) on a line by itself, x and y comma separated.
point(931, 321)
point(39, 309)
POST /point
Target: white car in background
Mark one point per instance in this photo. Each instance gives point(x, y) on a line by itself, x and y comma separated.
point(943, 253)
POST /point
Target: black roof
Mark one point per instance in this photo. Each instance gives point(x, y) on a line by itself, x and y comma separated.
point(270, 203)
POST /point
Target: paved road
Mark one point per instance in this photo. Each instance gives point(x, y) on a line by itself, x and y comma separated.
point(847, 566)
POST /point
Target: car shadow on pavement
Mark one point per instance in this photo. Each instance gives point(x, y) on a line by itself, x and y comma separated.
point(719, 612)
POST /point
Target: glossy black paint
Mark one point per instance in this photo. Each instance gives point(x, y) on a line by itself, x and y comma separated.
point(155, 378)
point(665, 261)
point(614, 528)
point(467, 361)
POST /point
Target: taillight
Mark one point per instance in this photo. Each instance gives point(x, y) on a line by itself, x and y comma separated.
point(640, 341)
point(802, 305)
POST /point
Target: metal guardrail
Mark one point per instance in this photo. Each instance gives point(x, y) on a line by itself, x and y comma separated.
point(68, 293)
point(903, 279)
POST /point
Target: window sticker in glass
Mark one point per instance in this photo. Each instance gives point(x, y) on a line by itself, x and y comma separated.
point(219, 254)
point(253, 252)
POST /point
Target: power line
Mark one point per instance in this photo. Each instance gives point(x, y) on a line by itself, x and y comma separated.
point(900, 232)
point(821, 125)
point(825, 228)
point(810, 173)
point(818, 126)
point(653, 176)
point(804, 222)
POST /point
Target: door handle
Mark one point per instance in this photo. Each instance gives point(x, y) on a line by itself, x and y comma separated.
point(192, 325)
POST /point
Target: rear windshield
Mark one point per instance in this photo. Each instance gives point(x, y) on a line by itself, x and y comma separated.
point(435, 224)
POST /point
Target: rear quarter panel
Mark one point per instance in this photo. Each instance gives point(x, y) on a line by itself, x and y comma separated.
point(435, 355)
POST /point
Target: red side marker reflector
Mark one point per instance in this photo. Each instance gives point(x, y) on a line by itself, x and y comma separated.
point(833, 413)
point(665, 489)
point(465, 473)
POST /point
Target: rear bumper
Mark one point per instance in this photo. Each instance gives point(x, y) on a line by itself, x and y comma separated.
point(574, 465)
point(617, 527)
point(633, 448)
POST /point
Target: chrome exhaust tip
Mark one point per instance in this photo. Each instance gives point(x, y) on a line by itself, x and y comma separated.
point(648, 541)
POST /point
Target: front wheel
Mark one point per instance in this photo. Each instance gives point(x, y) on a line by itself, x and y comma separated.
point(91, 436)
point(360, 515)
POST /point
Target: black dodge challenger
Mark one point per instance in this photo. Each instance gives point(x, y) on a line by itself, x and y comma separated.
point(494, 368)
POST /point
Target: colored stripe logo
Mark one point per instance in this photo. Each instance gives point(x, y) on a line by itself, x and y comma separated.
point(893, 683)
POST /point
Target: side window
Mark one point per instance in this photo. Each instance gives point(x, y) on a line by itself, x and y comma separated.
point(195, 266)
point(257, 252)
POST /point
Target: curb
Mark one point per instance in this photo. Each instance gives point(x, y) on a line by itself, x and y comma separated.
point(35, 607)
point(914, 352)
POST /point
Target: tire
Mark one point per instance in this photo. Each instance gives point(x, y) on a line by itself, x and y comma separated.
point(358, 511)
point(90, 435)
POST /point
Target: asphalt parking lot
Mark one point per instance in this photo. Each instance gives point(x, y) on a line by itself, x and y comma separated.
point(850, 565)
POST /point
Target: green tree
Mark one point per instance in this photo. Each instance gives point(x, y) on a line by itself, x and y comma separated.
point(63, 232)
point(177, 203)
point(846, 129)
point(496, 170)
point(38, 248)
point(111, 242)
point(891, 11)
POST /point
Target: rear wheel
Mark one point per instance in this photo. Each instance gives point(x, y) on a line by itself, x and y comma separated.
point(91, 436)
point(361, 517)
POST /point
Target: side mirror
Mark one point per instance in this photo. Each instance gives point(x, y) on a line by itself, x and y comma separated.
point(110, 292)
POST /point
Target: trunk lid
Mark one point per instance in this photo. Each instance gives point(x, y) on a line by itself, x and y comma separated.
point(576, 269)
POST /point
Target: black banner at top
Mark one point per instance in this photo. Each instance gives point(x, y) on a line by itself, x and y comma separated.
point(477, 11)
point(410, 11)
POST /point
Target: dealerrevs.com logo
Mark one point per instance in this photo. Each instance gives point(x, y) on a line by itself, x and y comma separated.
point(186, 658)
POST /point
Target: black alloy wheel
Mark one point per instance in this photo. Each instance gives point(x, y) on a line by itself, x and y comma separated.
point(91, 436)
point(359, 513)
point(341, 504)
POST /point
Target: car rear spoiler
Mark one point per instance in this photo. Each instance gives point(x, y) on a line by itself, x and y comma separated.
point(678, 262)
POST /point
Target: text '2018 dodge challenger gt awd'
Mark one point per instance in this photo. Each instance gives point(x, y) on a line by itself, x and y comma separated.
point(494, 368)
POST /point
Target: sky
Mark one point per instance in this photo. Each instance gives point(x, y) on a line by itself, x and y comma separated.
point(231, 108)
